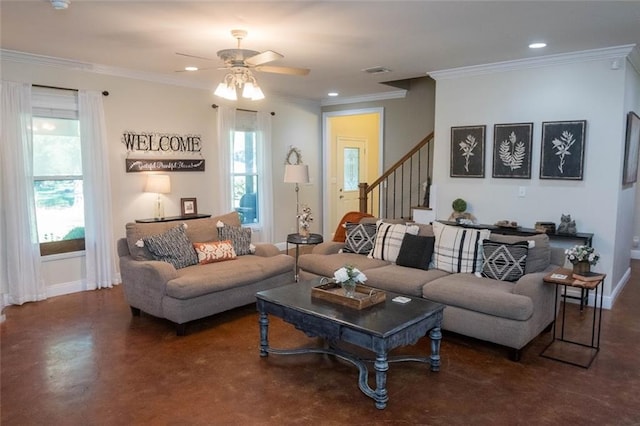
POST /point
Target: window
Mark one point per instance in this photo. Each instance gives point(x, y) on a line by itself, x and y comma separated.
point(245, 173)
point(58, 184)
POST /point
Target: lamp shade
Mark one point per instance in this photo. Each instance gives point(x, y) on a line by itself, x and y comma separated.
point(160, 184)
point(296, 173)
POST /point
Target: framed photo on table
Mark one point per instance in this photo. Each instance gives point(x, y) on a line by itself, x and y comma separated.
point(188, 206)
point(467, 151)
point(562, 154)
point(631, 148)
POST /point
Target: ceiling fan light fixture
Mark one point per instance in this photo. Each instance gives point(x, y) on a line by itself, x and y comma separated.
point(191, 68)
point(257, 94)
point(248, 90)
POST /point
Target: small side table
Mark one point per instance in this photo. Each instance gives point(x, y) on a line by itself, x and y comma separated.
point(298, 239)
point(564, 277)
point(173, 218)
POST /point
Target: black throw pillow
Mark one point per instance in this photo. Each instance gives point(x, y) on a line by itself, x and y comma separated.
point(416, 251)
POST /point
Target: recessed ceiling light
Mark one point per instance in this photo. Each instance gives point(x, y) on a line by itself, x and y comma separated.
point(537, 45)
point(332, 94)
point(191, 68)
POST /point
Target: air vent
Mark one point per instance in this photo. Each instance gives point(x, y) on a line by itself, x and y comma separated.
point(376, 70)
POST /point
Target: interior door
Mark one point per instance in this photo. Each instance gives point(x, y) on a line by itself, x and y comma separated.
point(351, 170)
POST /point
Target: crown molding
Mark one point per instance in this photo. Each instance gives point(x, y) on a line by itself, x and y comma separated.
point(70, 64)
point(616, 52)
point(634, 59)
point(396, 94)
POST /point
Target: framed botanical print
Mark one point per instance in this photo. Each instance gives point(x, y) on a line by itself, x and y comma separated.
point(467, 151)
point(562, 154)
point(512, 150)
point(631, 148)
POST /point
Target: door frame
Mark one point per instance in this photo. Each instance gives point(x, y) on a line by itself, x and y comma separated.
point(326, 145)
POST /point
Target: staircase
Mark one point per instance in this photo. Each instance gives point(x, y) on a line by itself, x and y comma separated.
point(404, 187)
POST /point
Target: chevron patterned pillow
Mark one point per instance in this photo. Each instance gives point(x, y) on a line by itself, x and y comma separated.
point(504, 262)
point(360, 238)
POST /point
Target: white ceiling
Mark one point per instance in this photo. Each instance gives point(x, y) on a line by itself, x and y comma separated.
point(336, 39)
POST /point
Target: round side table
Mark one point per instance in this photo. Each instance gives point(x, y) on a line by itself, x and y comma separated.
point(298, 239)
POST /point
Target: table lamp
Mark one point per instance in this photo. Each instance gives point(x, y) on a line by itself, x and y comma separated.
point(158, 184)
point(296, 173)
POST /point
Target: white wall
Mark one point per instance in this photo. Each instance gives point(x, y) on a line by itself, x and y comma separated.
point(589, 90)
point(138, 105)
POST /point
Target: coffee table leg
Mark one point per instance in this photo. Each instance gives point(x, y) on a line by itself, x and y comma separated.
point(264, 334)
point(436, 336)
point(381, 365)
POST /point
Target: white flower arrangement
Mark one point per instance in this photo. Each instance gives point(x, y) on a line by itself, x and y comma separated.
point(581, 253)
point(349, 273)
point(305, 218)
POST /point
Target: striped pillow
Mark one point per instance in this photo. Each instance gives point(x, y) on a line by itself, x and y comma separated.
point(458, 249)
point(389, 238)
point(240, 238)
point(172, 246)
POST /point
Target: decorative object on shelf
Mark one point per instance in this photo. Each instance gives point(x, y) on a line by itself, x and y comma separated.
point(506, 224)
point(512, 150)
point(459, 215)
point(546, 227)
point(562, 155)
point(631, 148)
point(305, 217)
point(158, 184)
point(582, 257)
point(567, 225)
point(467, 151)
point(296, 172)
point(348, 277)
point(188, 206)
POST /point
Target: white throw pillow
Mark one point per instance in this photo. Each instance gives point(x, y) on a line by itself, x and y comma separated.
point(389, 238)
point(458, 249)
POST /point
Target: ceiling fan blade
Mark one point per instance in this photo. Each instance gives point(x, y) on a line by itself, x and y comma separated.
point(263, 58)
point(193, 56)
point(283, 70)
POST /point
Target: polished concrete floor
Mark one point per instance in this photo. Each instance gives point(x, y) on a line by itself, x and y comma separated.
point(82, 359)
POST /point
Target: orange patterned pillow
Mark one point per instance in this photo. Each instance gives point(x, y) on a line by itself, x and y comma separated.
point(215, 251)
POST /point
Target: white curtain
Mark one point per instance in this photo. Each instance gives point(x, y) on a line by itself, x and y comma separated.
point(20, 279)
point(98, 234)
point(266, 199)
point(226, 125)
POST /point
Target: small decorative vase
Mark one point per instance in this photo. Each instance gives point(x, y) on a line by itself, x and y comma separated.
point(581, 267)
point(304, 232)
point(349, 288)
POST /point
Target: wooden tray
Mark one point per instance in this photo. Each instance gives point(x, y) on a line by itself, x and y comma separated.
point(363, 298)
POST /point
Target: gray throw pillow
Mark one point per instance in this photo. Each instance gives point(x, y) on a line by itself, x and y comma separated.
point(416, 251)
point(240, 237)
point(504, 262)
point(360, 238)
point(172, 246)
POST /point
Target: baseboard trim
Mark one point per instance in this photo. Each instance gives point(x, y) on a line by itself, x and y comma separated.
point(70, 287)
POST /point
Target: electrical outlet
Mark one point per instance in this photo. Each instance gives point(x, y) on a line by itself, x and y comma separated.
point(522, 191)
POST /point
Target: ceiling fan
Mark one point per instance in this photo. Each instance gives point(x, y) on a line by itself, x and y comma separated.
point(239, 59)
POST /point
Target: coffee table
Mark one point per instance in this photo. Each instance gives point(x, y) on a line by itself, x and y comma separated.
point(379, 328)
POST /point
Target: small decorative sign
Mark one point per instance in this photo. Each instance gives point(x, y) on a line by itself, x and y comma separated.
point(188, 165)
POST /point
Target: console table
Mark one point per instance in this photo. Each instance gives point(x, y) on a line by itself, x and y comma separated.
point(172, 218)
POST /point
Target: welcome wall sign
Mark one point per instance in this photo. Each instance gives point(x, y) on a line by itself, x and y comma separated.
point(162, 144)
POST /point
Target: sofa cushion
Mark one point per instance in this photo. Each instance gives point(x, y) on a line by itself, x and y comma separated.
point(504, 262)
point(389, 239)
point(199, 280)
point(401, 279)
point(416, 251)
point(492, 297)
point(458, 249)
point(214, 251)
point(360, 238)
point(539, 255)
point(326, 264)
point(203, 229)
point(240, 237)
point(172, 246)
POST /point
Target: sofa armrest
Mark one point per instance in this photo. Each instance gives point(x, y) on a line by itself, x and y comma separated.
point(541, 294)
point(266, 250)
point(150, 273)
point(328, 247)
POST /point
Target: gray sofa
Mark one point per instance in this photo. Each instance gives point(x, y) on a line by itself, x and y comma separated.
point(197, 291)
point(506, 313)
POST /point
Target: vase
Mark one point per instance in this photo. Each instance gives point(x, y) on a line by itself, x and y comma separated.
point(349, 288)
point(304, 232)
point(581, 267)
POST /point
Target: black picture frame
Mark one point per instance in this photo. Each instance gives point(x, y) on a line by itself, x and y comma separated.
point(468, 151)
point(188, 206)
point(562, 150)
point(512, 150)
point(631, 149)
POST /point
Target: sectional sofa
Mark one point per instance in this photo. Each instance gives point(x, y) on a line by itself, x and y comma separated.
point(506, 311)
